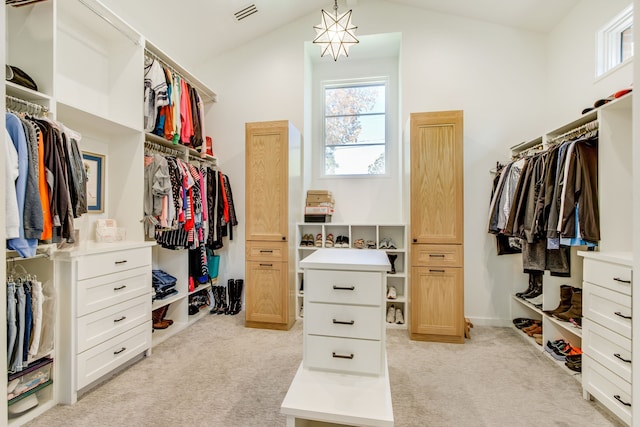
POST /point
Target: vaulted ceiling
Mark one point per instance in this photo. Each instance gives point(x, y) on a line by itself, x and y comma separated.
point(212, 28)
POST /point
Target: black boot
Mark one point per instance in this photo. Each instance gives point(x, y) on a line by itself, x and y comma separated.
point(392, 260)
point(529, 289)
point(230, 293)
point(216, 300)
point(223, 298)
point(238, 297)
point(537, 286)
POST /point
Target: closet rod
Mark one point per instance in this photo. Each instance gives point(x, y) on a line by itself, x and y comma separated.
point(573, 133)
point(39, 109)
point(108, 21)
point(173, 70)
point(161, 148)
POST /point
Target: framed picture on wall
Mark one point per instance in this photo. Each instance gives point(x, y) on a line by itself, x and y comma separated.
point(94, 165)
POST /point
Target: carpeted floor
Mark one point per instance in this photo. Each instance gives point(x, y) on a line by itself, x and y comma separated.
point(219, 373)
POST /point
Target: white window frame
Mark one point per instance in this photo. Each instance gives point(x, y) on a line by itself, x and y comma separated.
point(351, 83)
point(609, 43)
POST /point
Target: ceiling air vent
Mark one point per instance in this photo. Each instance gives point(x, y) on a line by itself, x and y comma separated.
point(247, 11)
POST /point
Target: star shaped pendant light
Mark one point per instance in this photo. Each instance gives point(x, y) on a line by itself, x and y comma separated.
point(335, 34)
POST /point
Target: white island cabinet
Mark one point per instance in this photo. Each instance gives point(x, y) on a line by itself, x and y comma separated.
point(343, 378)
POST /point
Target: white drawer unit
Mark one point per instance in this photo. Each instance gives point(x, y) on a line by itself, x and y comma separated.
point(344, 287)
point(611, 390)
point(344, 328)
point(106, 315)
point(608, 308)
point(611, 276)
point(100, 292)
point(344, 355)
point(112, 262)
point(606, 331)
point(607, 348)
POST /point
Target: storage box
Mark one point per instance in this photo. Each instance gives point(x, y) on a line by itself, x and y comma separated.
point(330, 204)
point(24, 383)
point(318, 210)
point(321, 192)
point(317, 218)
point(316, 198)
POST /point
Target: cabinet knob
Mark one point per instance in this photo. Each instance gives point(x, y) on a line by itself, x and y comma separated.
point(415, 240)
point(284, 238)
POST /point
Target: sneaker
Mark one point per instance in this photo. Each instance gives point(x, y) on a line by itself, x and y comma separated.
point(345, 241)
point(399, 317)
point(391, 314)
point(338, 243)
point(391, 292)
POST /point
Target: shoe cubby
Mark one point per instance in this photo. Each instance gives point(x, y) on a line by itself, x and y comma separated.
point(371, 233)
point(554, 295)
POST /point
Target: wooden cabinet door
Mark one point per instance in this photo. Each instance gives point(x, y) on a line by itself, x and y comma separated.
point(437, 304)
point(437, 177)
point(267, 292)
point(267, 151)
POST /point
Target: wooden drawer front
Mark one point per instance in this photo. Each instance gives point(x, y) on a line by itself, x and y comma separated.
point(344, 321)
point(266, 251)
point(103, 358)
point(343, 287)
point(608, 348)
point(605, 386)
point(102, 325)
point(343, 355)
point(113, 262)
point(612, 276)
point(436, 255)
point(101, 292)
point(608, 308)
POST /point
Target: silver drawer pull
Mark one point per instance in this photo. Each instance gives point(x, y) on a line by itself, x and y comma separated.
point(120, 319)
point(436, 255)
point(344, 288)
point(121, 262)
point(339, 322)
point(617, 279)
point(266, 251)
point(617, 313)
point(119, 288)
point(266, 265)
point(342, 356)
point(120, 351)
point(621, 358)
point(617, 397)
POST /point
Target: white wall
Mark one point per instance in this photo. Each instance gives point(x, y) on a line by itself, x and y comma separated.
point(495, 74)
point(572, 67)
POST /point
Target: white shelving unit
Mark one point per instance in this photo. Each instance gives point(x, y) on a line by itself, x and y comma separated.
point(367, 232)
point(176, 263)
point(88, 65)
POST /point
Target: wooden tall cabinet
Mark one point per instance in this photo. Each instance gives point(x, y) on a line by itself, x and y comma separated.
point(436, 226)
point(272, 207)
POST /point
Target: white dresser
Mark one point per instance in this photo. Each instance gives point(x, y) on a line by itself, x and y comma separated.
point(343, 377)
point(105, 311)
point(606, 330)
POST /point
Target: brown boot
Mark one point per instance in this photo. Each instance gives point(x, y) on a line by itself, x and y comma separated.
point(157, 315)
point(575, 311)
point(164, 313)
point(566, 293)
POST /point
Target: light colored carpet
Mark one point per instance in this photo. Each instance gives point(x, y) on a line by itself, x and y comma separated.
point(219, 373)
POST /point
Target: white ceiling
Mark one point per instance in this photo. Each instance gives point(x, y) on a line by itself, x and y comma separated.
point(210, 27)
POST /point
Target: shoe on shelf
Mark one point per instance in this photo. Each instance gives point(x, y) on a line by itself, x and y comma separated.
point(536, 330)
point(391, 292)
point(399, 317)
point(318, 242)
point(371, 244)
point(345, 241)
point(329, 242)
point(535, 301)
point(575, 311)
point(391, 244)
point(391, 314)
point(538, 338)
point(383, 244)
point(523, 322)
point(566, 292)
point(358, 244)
point(338, 242)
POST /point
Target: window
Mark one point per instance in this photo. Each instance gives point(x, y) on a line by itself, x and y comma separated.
point(355, 128)
point(615, 42)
